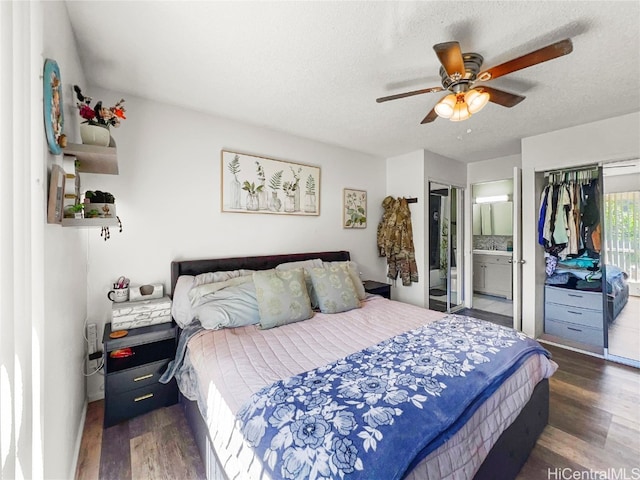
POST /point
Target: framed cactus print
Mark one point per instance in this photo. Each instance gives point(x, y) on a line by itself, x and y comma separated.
point(253, 184)
point(354, 210)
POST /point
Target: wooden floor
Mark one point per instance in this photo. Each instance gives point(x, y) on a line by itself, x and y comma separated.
point(594, 425)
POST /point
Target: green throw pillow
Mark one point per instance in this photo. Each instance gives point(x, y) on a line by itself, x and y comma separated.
point(282, 297)
point(334, 288)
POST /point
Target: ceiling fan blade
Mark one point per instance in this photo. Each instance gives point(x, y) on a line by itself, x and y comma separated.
point(409, 94)
point(450, 57)
point(431, 116)
point(501, 97)
point(564, 47)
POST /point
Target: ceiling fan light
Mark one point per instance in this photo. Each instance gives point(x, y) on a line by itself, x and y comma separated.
point(476, 100)
point(444, 108)
point(460, 112)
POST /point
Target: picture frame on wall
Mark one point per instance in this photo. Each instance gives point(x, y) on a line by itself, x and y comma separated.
point(52, 108)
point(354, 208)
point(254, 184)
point(56, 195)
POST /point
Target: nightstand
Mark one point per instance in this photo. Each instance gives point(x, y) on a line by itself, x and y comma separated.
point(131, 383)
point(377, 288)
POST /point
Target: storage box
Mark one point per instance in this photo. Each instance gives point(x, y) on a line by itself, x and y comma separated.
point(128, 315)
point(146, 292)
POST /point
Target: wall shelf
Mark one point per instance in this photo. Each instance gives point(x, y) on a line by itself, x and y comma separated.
point(94, 159)
point(89, 222)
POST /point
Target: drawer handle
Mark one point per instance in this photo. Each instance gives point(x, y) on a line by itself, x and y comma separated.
point(575, 313)
point(574, 329)
point(574, 295)
point(143, 397)
point(144, 377)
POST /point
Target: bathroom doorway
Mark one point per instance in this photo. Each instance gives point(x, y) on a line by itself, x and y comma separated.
point(445, 226)
point(492, 254)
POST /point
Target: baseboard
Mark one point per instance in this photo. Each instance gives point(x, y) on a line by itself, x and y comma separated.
point(93, 397)
point(76, 450)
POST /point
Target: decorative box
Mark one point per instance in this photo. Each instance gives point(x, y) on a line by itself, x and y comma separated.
point(128, 315)
point(146, 292)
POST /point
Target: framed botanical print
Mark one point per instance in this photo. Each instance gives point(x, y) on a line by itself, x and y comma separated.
point(252, 184)
point(354, 208)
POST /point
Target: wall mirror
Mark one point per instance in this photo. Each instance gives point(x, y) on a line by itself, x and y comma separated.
point(493, 208)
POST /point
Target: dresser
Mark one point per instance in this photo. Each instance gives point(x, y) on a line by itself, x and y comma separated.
point(574, 314)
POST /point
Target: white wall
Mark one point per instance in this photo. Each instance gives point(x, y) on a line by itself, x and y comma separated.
point(409, 175)
point(405, 178)
point(603, 141)
point(494, 169)
point(168, 197)
point(65, 280)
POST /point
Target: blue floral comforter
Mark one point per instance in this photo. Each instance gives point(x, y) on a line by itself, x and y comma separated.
point(380, 411)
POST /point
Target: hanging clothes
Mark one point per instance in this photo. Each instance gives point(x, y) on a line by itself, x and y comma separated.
point(395, 240)
point(569, 217)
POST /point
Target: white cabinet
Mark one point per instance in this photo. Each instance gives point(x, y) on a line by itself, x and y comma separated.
point(492, 274)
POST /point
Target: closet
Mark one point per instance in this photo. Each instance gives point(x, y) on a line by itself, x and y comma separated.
point(569, 230)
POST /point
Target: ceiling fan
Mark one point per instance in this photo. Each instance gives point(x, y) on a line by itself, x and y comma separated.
point(460, 71)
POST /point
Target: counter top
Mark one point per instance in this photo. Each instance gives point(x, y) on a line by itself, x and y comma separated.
point(503, 253)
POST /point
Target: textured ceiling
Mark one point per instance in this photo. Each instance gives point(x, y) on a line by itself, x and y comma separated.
point(314, 69)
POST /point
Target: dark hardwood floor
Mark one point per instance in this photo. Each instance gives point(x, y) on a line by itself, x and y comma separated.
point(594, 425)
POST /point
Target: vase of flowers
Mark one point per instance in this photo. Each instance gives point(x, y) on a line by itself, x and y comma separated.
point(252, 195)
point(289, 190)
point(275, 182)
point(97, 120)
point(310, 195)
point(262, 193)
point(234, 183)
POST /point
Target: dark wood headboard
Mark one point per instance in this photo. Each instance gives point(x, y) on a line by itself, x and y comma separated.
point(196, 267)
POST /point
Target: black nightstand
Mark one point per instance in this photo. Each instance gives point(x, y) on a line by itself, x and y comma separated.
point(382, 289)
point(131, 383)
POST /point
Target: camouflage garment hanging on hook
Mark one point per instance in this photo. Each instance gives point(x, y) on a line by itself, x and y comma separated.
point(395, 240)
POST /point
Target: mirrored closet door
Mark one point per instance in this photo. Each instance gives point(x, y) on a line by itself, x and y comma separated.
point(621, 258)
point(446, 236)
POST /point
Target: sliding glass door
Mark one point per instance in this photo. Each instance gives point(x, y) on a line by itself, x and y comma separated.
point(445, 226)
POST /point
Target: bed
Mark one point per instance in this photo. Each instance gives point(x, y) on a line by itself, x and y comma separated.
point(220, 386)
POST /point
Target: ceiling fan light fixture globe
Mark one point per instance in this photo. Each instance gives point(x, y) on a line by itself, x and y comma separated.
point(445, 107)
point(460, 112)
point(476, 100)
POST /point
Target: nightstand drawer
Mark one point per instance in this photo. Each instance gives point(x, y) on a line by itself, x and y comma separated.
point(141, 400)
point(136, 377)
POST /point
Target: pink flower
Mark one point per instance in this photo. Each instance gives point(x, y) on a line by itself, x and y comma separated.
point(87, 112)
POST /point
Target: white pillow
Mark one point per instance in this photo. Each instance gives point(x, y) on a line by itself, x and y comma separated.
point(181, 305)
point(199, 294)
point(214, 277)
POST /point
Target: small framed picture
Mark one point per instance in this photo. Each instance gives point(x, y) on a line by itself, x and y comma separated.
point(56, 194)
point(354, 208)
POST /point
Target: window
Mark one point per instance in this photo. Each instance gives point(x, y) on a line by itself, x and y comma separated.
point(622, 231)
